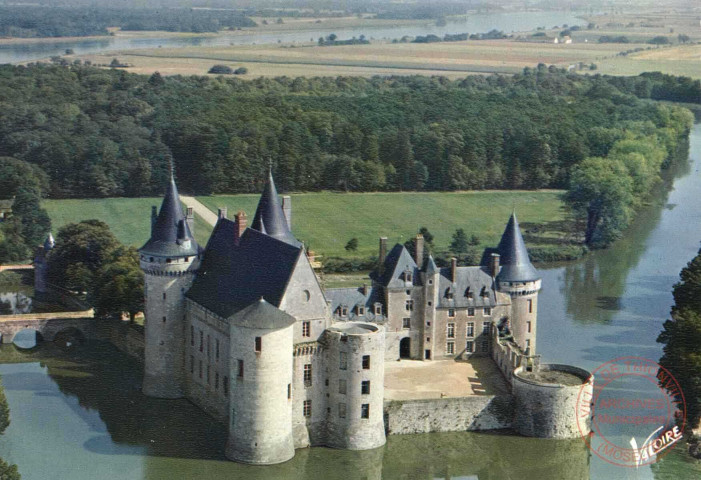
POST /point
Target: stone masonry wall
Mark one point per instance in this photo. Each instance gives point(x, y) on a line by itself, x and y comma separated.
point(475, 413)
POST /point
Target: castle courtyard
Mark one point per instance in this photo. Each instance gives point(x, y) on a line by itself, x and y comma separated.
point(416, 379)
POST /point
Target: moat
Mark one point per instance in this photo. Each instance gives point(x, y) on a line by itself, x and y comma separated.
point(79, 413)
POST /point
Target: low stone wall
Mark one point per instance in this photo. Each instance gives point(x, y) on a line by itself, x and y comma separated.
point(479, 412)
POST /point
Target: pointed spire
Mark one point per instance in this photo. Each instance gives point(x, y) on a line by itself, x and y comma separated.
point(431, 267)
point(168, 236)
point(269, 218)
point(515, 263)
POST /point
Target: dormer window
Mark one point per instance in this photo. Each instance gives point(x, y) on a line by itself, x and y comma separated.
point(468, 293)
point(408, 276)
point(378, 309)
point(361, 310)
point(344, 311)
point(484, 292)
point(449, 294)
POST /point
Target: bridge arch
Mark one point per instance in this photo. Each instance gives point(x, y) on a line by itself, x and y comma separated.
point(69, 336)
point(27, 338)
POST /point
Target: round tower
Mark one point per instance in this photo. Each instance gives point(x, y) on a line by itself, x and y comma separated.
point(356, 370)
point(169, 260)
point(519, 278)
point(261, 369)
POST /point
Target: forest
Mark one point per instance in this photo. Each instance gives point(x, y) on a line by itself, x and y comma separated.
point(105, 133)
point(30, 21)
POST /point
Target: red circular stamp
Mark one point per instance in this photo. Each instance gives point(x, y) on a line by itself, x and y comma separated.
point(634, 414)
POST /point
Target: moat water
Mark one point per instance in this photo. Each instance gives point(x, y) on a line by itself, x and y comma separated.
point(79, 414)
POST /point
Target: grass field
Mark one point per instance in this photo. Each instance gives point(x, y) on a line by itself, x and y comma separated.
point(326, 221)
point(128, 218)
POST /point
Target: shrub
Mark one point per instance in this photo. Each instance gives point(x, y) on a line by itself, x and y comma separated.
point(241, 71)
point(221, 69)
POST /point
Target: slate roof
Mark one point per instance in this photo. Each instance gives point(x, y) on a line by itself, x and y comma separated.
point(233, 277)
point(170, 233)
point(269, 218)
point(397, 262)
point(515, 263)
point(473, 280)
point(262, 315)
point(351, 297)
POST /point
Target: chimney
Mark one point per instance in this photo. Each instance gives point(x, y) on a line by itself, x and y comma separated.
point(154, 216)
point(383, 255)
point(419, 250)
point(190, 217)
point(494, 264)
point(453, 269)
point(287, 210)
point(221, 212)
point(365, 289)
point(241, 223)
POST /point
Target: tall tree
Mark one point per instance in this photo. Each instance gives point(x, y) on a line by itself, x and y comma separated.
point(119, 285)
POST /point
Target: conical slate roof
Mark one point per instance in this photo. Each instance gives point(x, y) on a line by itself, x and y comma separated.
point(262, 315)
point(171, 235)
point(269, 218)
point(431, 268)
point(515, 264)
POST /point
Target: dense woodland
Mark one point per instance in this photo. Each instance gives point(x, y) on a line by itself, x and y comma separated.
point(30, 21)
point(101, 133)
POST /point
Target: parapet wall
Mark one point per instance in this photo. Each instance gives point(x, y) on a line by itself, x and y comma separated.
point(483, 412)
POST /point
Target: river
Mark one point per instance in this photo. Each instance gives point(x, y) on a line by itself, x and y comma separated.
point(482, 23)
point(80, 415)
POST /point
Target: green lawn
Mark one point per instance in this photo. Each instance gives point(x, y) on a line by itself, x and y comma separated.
point(326, 221)
point(128, 218)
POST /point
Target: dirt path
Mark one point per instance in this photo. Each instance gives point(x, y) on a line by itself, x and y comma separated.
point(204, 212)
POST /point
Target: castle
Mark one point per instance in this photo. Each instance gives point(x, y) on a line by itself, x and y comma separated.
point(243, 329)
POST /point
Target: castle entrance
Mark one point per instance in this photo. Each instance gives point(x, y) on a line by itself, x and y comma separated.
point(405, 348)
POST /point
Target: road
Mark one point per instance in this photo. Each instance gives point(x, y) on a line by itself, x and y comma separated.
point(204, 212)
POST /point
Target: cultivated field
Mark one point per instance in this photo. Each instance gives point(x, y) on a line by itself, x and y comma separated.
point(128, 218)
point(326, 221)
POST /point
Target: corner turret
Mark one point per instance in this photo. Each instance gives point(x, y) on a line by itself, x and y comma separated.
point(169, 259)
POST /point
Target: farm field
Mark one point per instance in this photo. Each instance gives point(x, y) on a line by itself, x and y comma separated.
point(326, 221)
point(128, 218)
point(444, 58)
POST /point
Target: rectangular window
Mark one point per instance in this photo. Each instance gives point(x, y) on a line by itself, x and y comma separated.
point(192, 364)
point(485, 327)
point(470, 346)
point(289, 391)
point(528, 327)
point(216, 380)
point(361, 310)
point(487, 311)
point(164, 319)
point(406, 322)
point(308, 375)
point(366, 362)
point(451, 312)
point(307, 411)
point(200, 369)
point(192, 336)
point(164, 295)
point(365, 387)
point(485, 346)
point(201, 340)
point(410, 305)
point(240, 364)
point(342, 387)
point(343, 360)
point(341, 410)
point(450, 348)
point(471, 312)
point(365, 410)
point(306, 329)
point(344, 311)
point(208, 375)
point(216, 349)
point(258, 344)
point(530, 306)
point(528, 343)
point(451, 330)
point(470, 329)
point(225, 386)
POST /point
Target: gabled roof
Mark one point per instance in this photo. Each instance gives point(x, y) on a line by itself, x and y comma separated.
point(262, 315)
point(515, 264)
point(270, 218)
point(170, 235)
point(397, 262)
point(469, 280)
point(233, 277)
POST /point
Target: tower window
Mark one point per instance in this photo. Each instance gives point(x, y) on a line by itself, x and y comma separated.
point(528, 327)
point(308, 375)
point(240, 365)
point(365, 387)
point(342, 386)
point(192, 336)
point(200, 369)
point(365, 410)
point(225, 386)
point(289, 391)
point(306, 329)
point(201, 340)
point(164, 295)
point(406, 322)
point(341, 410)
point(216, 349)
point(164, 319)
point(208, 349)
point(343, 360)
point(366, 362)
point(258, 344)
point(528, 343)
point(530, 306)
point(307, 408)
point(409, 305)
point(208, 373)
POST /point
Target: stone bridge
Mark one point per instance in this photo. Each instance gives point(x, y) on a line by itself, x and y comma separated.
point(48, 324)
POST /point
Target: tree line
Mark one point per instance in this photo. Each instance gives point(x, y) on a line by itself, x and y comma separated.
point(47, 21)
